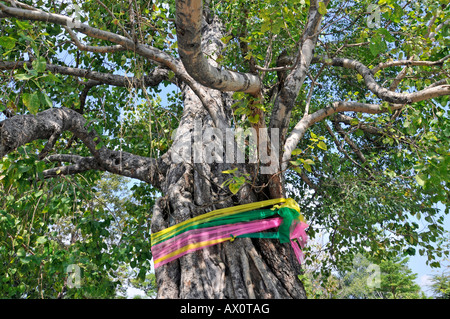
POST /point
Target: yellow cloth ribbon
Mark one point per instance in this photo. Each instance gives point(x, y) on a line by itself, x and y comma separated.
point(168, 232)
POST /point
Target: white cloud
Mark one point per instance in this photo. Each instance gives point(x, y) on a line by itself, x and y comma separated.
point(425, 282)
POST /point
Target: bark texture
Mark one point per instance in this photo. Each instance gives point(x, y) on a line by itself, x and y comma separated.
point(244, 268)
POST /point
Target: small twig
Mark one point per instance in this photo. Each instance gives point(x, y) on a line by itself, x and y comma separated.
point(114, 17)
point(50, 144)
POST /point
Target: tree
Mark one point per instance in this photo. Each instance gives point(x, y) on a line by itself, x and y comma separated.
point(346, 101)
point(390, 279)
point(440, 283)
point(441, 286)
point(397, 280)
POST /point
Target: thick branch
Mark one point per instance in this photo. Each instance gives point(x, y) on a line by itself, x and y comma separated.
point(307, 121)
point(153, 79)
point(383, 93)
point(294, 81)
point(141, 49)
point(23, 129)
point(80, 165)
point(189, 20)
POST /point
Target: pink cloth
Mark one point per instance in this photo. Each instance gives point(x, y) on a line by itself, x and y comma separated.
point(225, 231)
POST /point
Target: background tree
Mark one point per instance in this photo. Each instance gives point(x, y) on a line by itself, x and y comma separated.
point(354, 95)
point(363, 279)
point(440, 283)
point(397, 280)
point(440, 286)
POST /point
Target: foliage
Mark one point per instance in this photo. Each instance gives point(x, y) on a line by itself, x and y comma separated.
point(440, 283)
point(440, 286)
point(47, 226)
point(367, 185)
point(363, 279)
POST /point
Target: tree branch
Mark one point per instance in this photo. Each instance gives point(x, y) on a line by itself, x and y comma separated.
point(336, 107)
point(189, 18)
point(343, 151)
point(352, 144)
point(23, 129)
point(80, 165)
point(409, 62)
point(153, 79)
point(294, 81)
point(379, 91)
point(144, 50)
point(90, 48)
point(347, 120)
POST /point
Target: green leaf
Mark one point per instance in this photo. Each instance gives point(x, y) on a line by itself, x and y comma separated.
point(226, 39)
point(297, 162)
point(39, 64)
point(411, 251)
point(322, 145)
point(31, 101)
point(322, 8)
point(265, 26)
point(99, 145)
point(20, 252)
point(230, 171)
point(48, 100)
point(41, 240)
point(254, 119)
point(234, 187)
point(8, 42)
point(387, 34)
point(420, 180)
point(24, 25)
point(307, 167)
point(377, 45)
point(23, 76)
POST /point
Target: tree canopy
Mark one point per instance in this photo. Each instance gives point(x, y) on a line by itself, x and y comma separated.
point(355, 94)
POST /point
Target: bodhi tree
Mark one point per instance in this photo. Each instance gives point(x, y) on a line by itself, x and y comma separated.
point(345, 104)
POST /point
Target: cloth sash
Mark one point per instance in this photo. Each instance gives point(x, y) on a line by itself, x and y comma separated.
point(226, 224)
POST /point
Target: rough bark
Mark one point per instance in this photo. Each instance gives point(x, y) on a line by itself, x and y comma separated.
point(189, 34)
point(245, 268)
point(50, 124)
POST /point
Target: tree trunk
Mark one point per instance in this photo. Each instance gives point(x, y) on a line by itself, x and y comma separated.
point(244, 268)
